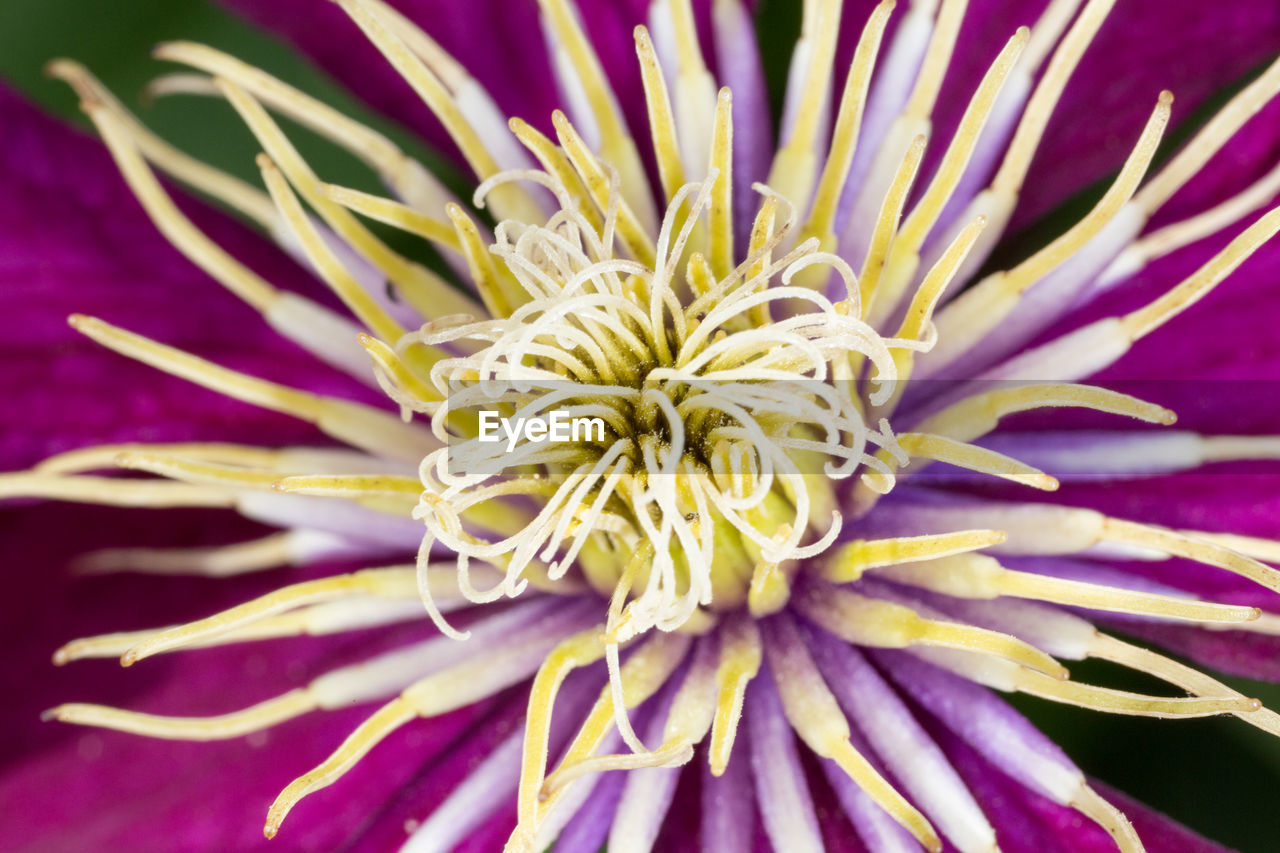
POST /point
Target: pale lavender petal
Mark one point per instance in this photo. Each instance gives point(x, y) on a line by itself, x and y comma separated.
point(782, 794)
point(986, 722)
point(588, 829)
point(1102, 455)
point(728, 813)
point(875, 828)
point(648, 792)
point(914, 760)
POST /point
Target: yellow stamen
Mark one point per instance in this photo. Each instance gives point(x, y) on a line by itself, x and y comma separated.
point(848, 121)
point(576, 651)
point(616, 145)
point(882, 624)
point(1145, 320)
point(393, 213)
point(847, 563)
point(219, 727)
point(395, 582)
point(973, 417)
point(721, 215)
point(429, 294)
point(357, 424)
point(408, 177)
point(662, 126)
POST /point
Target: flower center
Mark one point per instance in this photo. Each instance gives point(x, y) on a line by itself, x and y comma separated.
point(726, 398)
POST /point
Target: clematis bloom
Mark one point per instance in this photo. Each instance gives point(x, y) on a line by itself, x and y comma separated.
point(752, 581)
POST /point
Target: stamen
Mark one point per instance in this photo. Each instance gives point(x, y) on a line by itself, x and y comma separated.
point(720, 219)
point(499, 292)
point(393, 213)
point(366, 736)
point(1090, 803)
point(630, 230)
point(886, 225)
point(451, 688)
point(796, 162)
point(937, 59)
point(110, 491)
point(281, 459)
point(740, 658)
point(400, 382)
point(973, 314)
point(409, 179)
point(354, 486)
point(393, 582)
point(979, 576)
point(510, 201)
point(1110, 648)
point(866, 621)
point(666, 146)
point(694, 85)
point(942, 449)
point(1133, 704)
point(844, 138)
point(193, 471)
point(1180, 545)
point(555, 163)
point(616, 144)
point(847, 563)
point(1209, 140)
point(1173, 237)
point(576, 651)
point(1142, 322)
point(264, 715)
point(354, 423)
point(197, 174)
point(429, 294)
point(276, 549)
point(973, 417)
point(957, 155)
point(1007, 182)
point(644, 672)
point(1267, 550)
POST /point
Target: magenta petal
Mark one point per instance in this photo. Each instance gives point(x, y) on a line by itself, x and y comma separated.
point(500, 42)
point(1027, 822)
point(85, 789)
point(1145, 46)
point(73, 239)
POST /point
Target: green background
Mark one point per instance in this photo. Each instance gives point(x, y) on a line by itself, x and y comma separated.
point(1218, 775)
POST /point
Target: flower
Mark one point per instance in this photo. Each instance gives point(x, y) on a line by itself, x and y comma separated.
point(739, 554)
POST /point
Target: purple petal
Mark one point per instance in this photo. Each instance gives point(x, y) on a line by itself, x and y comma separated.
point(500, 43)
point(728, 813)
point(902, 745)
point(73, 239)
point(782, 794)
point(1145, 46)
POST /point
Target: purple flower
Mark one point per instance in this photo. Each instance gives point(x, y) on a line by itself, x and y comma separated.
point(768, 596)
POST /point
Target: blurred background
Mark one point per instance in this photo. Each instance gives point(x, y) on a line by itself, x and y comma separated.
point(1218, 776)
